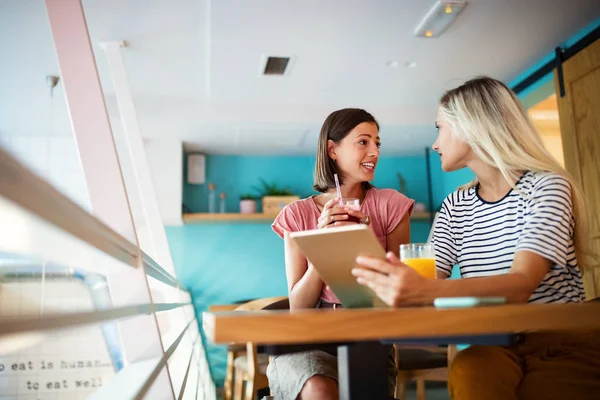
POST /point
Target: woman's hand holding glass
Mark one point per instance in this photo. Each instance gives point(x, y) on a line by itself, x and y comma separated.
point(393, 281)
point(406, 282)
point(342, 212)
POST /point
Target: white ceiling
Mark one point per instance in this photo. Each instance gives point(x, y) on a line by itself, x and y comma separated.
point(194, 64)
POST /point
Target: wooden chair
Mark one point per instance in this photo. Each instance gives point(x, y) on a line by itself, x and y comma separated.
point(421, 364)
point(233, 350)
point(245, 366)
point(250, 370)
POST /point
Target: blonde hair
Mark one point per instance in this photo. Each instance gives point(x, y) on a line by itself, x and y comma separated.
point(489, 117)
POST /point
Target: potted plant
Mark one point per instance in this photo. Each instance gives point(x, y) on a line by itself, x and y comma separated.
point(248, 204)
point(274, 197)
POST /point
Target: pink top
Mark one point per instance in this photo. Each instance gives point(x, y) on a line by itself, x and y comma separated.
point(385, 208)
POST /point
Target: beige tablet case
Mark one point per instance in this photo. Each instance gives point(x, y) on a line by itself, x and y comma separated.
point(333, 252)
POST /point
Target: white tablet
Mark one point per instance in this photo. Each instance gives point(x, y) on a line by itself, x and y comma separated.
point(333, 253)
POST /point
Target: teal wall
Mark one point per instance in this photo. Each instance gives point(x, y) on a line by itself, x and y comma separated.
point(236, 175)
point(224, 264)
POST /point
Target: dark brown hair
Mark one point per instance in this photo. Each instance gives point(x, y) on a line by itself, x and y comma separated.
point(336, 127)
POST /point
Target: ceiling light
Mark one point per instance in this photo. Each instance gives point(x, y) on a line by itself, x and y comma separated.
point(392, 64)
point(439, 18)
point(410, 64)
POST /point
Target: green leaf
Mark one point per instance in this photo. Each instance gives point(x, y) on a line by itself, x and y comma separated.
point(271, 189)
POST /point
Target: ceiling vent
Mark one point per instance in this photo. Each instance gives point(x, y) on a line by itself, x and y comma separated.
point(276, 65)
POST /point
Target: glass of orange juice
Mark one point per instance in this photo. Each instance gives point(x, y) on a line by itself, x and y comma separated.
point(420, 257)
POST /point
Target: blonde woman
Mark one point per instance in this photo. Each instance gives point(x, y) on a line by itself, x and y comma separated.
point(519, 231)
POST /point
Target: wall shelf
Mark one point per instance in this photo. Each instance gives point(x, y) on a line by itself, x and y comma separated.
point(204, 218)
point(420, 216)
point(207, 218)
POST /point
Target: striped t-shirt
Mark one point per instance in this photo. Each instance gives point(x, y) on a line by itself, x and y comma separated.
point(482, 237)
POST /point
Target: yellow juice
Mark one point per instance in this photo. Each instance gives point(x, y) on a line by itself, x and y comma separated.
point(424, 266)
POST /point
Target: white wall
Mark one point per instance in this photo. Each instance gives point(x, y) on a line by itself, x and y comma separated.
point(54, 157)
point(51, 154)
point(165, 158)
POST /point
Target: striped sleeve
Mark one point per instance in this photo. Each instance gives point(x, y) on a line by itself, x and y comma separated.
point(549, 222)
point(443, 241)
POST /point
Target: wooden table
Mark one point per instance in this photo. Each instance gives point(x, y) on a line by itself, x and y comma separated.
point(358, 330)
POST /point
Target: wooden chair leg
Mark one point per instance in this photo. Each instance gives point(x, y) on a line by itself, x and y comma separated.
point(270, 361)
point(251, 389)
point(452, 352)
point(420, 388)
point(250, 386)
point(238, 389)
point(228, 385)
point(400, 392)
